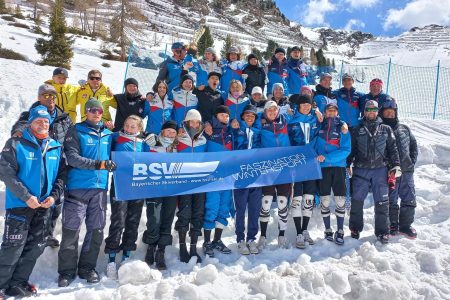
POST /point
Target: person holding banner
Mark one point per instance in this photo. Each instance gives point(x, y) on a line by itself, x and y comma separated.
point(125, 215)
point(190, 207)
point(160, 211)
point(218, 204)
point(87, 147)
point(248, 136)
point(303, 128)
point(158, 108)
point(333, 145)
point(274, 133)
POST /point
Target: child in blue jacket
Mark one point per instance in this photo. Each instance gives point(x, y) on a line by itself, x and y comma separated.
point(333, 145)
point(158, 107)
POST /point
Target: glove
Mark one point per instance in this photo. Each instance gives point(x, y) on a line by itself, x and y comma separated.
point(150, 140)
point(244, 76)
point(397, 171)
point(108, 165)
point(391, 180)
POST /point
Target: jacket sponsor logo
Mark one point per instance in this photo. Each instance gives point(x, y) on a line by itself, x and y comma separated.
point(31, 156)
point(85, 96)
point(156, 171)
point(52, 157)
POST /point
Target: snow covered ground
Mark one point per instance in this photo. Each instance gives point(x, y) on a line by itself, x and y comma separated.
point(361, 269)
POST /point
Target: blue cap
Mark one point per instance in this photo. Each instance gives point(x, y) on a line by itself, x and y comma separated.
point(178, 45)
point(61, 71)
point(39, 111)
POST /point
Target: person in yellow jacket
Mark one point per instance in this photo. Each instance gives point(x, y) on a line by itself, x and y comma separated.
point(93, 88)
point(64, 91)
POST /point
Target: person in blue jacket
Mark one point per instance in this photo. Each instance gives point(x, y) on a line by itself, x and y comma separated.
point(247, 136)
point(125, 215)
point(333, 145)
point(209, 63)
point(191, 207)
point(33, 170)
point(323, 94)
point(194, 69)
point(218, 204)
point(159, 108)
point(303, 128)
point(274, 133)
point(232, 68)
point(237, 99)
point(278, 71)
point(184, 99)
point(87, 147)
point(376, 94)
point(170, 69)
point(349, 101)
point(297, 71)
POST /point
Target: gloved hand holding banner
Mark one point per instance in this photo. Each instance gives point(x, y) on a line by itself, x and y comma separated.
point(146, 175)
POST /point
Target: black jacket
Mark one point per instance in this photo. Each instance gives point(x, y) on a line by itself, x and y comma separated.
point(127, 105)
point(373, 146)
point(256, 77)
point(407, 147)
point(58, 128)
point(208, 101)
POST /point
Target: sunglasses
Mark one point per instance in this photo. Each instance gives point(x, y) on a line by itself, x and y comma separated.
point(48, 96)
point(95, 78)
point(371, 109)
point(95, 110)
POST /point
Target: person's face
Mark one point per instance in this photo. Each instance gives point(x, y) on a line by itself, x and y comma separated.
point(187, 85)
point(169, 133)
point(375, 89)
point(223, 118)
point(59, 79)
point(95, 80)
point(371, 113)
point(326, 82)
point(131, 126)
point(235, 88)
point(213, 82)
point(272, 113)
point(48, 100)
point(209, 56)
point(249, 118)
point(194, 124)
point(279, 56)
point(295, 54)
point(131, 88)
point(179, 54)
point(233, 57)
point(94, 115)
point(348, 83)
point(304, 108)
point(331, 113)
point(278, 92)
point(254, 61)
point(389, 113)
point(256, 97)
point(40, 125)
point(162, 89)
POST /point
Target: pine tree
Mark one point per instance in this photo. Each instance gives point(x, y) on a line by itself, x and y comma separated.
point(205, 41)
point(302, 51)
point(321, 60)
point(258, 53)
point(328, 62)
point(56, 51)
point(333, 64)
point(228, 43)
point(271, 46)
point(2, 7)
point(313, 57)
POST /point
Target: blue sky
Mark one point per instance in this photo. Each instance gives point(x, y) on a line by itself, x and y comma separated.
point(379, 17)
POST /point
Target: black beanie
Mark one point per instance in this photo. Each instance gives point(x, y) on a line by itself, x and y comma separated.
point(214, 74)
point(222, 109)
point(186, 77)
point(282, 50)
point(131, 81)
point(300, 99)
point(250, 56)
point(169, 124)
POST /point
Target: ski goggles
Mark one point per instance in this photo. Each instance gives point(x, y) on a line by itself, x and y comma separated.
point(95, 110)
point(371, 109)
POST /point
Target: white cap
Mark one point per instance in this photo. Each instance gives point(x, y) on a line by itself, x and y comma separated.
point(270, 104)
point(193, 114)
point(257, 90)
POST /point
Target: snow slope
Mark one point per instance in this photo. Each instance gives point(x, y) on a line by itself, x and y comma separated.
point(361, 269)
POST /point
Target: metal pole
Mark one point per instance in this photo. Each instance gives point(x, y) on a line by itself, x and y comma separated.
point(437, 89)
point(389, 76)
point(165, 51)
point(340, 76)
point(128, 63)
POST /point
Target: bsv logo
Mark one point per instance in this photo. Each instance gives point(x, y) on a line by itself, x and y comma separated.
point(156, 171)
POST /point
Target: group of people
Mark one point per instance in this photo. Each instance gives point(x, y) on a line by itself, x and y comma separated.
point(51, 164)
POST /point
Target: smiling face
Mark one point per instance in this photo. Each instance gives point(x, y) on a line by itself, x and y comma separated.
point(233, 57)
point(371, 113)
point(304, 108)
point(223, 118)
point(131, 126)
point(59, 79)
point(162, 90)
point(94, 80)
point(249, 118)
point(280, 56)
point(278, 92)
point(194, 124)
point(40, 126)
point(169, 133)
point(187, 85)
point(48, 100)
point(94, 115)
point(331, 112)
point(375, 89)
point(326, 82)
point(131, 88)
point(271, 113)
point(209, 56)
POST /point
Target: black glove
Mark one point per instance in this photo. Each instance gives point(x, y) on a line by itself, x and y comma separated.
point(108, 165)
